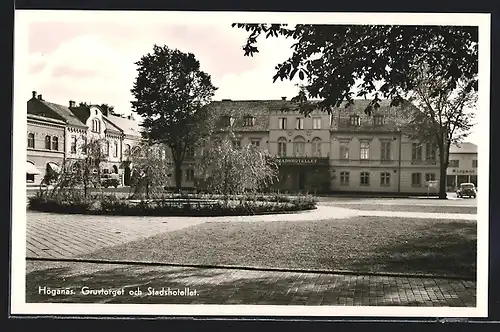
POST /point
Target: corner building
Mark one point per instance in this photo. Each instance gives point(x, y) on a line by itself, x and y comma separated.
point(345, 151)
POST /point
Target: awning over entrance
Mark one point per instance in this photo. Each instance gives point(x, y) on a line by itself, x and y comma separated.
point(54, 167)
point(31, 169)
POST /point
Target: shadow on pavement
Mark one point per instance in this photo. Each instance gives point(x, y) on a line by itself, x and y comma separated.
point(219, 286)
point(449, 249)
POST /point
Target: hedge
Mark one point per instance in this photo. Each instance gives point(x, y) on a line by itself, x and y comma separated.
point(111, 205)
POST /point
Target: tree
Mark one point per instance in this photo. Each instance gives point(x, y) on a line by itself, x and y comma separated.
point(151, 169)
point(335, 59)
point(441, 118)
point(83, 171)
point(170, 93)
point(227, 169)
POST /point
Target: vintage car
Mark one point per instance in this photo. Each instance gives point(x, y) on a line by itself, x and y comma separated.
point(467, 189)
point(110, 180)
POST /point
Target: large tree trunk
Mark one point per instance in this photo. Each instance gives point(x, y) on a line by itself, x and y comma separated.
point(443, 165)
point(178, 177)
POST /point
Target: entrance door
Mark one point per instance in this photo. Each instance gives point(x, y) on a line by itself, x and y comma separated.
point(301, 180)
point(126, 176)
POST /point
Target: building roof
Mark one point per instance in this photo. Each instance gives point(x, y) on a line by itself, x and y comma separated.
point(128, 126)
point(111, 127)
point(81, 112)
point(64, 112)
point(394, 118)
point(45, 118)
point(464, 147)
point(238, 109)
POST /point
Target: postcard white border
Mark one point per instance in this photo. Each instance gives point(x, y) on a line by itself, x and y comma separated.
point(24, 17)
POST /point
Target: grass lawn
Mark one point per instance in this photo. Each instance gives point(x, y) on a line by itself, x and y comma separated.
point(409, 208)
point(404, 245)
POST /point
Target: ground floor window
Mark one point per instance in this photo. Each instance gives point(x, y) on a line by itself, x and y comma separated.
point(364, 179)
point(344, 178)
point(30, 177)
point(385, 179)
point(430, 177)
point(416, 179)
point(190, 174)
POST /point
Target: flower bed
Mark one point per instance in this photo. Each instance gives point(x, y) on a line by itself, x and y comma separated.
point(174, 205)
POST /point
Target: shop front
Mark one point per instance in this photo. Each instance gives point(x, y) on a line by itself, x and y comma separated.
point(303, 174)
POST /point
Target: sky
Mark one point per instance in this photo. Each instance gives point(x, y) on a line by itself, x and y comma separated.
point(94, 60)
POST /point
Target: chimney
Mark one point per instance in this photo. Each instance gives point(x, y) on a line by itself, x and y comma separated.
point(40, 97)
point(71, 103)
point(283, 98)
point(33, 94)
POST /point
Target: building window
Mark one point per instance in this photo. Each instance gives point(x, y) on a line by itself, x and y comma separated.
point(299, 123)
point(354, 120)
point(227, 121)
point(316, 147)
point(299, 146)
point(430, 151)
point(385, 179)
point(364, 179)
point(55, 143)
point(344, 150)
point(282, 123)
point(73, 144)
point(344, 178)
point(385, 150)
point(416, 151)
point(189, 152)
point(378, 120)
point(282, 147)
point(474, 163)
point(249, 121)
point(316, 123)
point(190, 174)
point(96, 125)
point(430, 177)
point(237, 144)
point(31, 140)
point(127, 149)
point(255, 142)
point(416, 179)
point(115, 152)
point(364, 151)
point(47, 142)
point(454, 163)
point(106, 149)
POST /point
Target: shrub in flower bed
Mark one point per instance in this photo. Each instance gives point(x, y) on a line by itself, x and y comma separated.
point(170, 206)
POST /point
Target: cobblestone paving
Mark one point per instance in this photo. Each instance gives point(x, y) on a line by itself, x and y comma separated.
point(232, 286)
point(65, 236)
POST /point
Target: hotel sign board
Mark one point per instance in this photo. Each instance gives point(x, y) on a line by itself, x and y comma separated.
point(302, 161)
point(464, 171)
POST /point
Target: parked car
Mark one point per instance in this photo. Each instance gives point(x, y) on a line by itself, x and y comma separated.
point(110, 180)
point(467, 189)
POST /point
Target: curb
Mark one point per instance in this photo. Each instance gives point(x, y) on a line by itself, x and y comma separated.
point(250, 268)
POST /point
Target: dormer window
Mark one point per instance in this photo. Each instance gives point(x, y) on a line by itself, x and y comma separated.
point(249, 121)
point(354, 120)
point(227, 121)
point(378, 120)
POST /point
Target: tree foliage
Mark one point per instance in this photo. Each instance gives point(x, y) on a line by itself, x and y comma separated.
point(84, 171)
point(170, 93)
point(377, 60)
point(151, 170)
point(228, 169)
point(441, 118)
